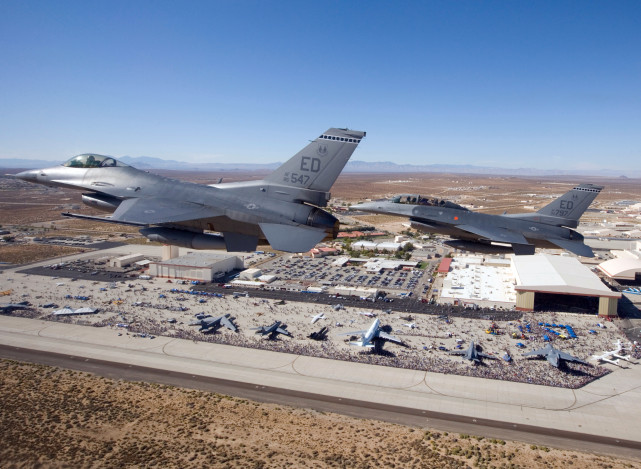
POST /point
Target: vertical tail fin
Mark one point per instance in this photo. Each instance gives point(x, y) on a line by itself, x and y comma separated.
point(317, 166)
point(569, 207)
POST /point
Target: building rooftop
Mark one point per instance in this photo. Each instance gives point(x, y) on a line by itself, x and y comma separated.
point(622, 268)
point(197, 259)
point(476, 282)
point(557, 274)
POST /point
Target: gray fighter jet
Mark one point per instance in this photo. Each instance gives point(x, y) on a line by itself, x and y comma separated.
point(521, 233)
point(282, 209)
point(554, 356)
point(211, 324)
point(273, 330)
point(472, 354)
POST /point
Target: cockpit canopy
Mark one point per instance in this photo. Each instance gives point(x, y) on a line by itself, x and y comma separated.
point(90, 160)
point(415, 199)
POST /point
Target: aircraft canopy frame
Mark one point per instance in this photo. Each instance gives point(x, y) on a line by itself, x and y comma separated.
point(92, 160)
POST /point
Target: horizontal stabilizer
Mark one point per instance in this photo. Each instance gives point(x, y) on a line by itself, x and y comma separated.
point(292, 238)
point(575, 247)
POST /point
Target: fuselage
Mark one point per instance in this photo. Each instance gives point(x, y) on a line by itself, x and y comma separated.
point(445, 221)
point(239, 207)
point(371, 333)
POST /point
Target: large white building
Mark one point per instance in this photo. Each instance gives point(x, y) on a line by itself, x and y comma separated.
point(470, 280)
point(625, 266)
point(559, 275)
point(125, 261)
point(202, 266)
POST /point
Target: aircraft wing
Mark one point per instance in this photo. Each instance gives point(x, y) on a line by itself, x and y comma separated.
point(161, 210)
point(280, 330)
point(391, 338)
point(570, 358)
point(499, 235)
point(227, 323)
point(540, 352)
point(576, 247)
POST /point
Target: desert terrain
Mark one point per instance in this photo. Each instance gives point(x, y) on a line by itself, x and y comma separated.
point(63, 418)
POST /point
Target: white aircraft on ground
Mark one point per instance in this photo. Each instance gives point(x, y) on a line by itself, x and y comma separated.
point(373, 337)
point(369, 315)
point(318, 317)
point(613, 356)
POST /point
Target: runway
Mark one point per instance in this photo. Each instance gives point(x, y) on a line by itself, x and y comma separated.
point(283, 391)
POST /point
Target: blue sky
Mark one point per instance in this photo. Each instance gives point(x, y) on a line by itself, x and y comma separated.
point(511, 84)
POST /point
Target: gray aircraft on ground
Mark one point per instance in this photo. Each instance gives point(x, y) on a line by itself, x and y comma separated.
point(212, 324)
point(521, 233)
point(10, 307)
point(273, 330)
point(554, 356)
point(282, 208)
point(472, 354)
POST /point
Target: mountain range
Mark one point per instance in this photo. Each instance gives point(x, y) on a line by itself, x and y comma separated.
point(148, 162)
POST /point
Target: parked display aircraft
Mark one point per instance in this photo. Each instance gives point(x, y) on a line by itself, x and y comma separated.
point(273, 330)
point(282, 208)
point(318, 317)
point(9, 307)
point(319, 335)
point(550, 227)
point(373, 337)
point(613, 356)
point(212, 324)
point(472, 354)
point(554, 356)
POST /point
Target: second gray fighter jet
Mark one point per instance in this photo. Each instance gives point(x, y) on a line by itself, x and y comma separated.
point(550, 227)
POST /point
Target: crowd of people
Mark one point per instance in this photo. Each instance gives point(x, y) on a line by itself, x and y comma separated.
point(153, 311)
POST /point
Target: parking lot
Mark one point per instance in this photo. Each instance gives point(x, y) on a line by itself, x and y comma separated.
point(323, 272)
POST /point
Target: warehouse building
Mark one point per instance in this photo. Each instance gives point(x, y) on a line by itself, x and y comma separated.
point(625, 266)
point(474, 280)
point(622, 268)
point(544, 281)
point(125, 261)
point(199, 266)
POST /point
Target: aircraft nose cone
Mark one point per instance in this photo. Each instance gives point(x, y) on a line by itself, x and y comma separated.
point(366, 206)
point(31, 175)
